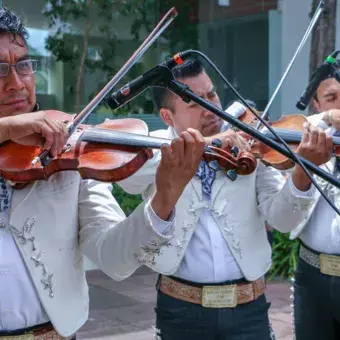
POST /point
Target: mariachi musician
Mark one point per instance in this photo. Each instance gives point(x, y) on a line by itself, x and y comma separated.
point(47, 226)
point(317, 277)
point(211, 282)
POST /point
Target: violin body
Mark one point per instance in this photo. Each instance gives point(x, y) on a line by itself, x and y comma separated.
point(99, 161)
point(108, 152)
point(274, 158)
point(291, 125)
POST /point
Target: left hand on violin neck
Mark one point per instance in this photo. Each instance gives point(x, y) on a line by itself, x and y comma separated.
point(332, 118)
point(316, 146)
point(229, 138)
point(177, 167)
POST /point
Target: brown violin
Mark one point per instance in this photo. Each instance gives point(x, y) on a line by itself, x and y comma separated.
point(108, 152)
point(289, 128)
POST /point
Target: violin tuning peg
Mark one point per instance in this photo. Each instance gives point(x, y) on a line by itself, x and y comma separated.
point(217, 143)
point(232, 175)
point(234, 151)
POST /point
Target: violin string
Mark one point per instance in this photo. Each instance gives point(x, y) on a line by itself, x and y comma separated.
point(294, 157)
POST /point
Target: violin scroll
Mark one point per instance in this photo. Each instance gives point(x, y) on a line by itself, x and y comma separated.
point(231, 160)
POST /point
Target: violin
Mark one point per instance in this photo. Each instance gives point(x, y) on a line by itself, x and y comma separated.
point(107, 152)
point(289, 128)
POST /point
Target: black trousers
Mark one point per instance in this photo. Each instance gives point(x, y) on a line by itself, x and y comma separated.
point(316, 304)
point(180, 320)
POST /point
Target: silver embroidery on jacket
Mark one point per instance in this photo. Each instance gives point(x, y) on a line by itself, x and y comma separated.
point(25, 237)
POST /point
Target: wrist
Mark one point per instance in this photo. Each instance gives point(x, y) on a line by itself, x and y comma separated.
point(300, 180)
point(163, 204)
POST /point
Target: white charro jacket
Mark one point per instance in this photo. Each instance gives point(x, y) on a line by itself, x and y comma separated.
point(240, 209)
point(56, 221)
point(330, 190)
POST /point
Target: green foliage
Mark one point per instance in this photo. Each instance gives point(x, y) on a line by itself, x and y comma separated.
point(83, 35)
point(183, 32)
point(64, 17)
point(285, 255)
point(127, 202)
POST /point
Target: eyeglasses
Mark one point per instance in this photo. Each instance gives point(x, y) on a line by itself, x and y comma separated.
point(24, 67)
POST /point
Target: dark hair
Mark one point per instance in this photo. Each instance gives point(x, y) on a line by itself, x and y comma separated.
point(10, 23)
point(337, 65)
point(190, 68)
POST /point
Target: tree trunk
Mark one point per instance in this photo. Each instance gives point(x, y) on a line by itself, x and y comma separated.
point(323, 38)
point(80, 76)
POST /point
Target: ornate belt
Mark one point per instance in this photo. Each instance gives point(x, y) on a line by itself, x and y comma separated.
point(327, 264)
point(224, 296)
point(44, 332)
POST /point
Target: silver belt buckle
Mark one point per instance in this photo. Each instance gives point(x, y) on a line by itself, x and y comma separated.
point(219, 296)
point(330, 265)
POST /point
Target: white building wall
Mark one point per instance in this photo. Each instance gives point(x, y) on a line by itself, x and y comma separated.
point(287, 27)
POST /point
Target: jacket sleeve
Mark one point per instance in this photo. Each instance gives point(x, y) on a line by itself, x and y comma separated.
point(279, 204)
point(139, 182)
point(317, 120)
point(117, 244)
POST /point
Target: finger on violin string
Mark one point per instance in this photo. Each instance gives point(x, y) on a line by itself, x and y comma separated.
point(329, 143)
point(198, 140)
point(314, 135)
point(167, 155)
point(321, 138)
point(243, 143)
point(177, 149)
point(305, 133)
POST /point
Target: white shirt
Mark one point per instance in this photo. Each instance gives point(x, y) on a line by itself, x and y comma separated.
point(19, 304)
point(208, 258)
point(322, 232)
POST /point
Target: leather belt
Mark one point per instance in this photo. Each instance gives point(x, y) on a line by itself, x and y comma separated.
point(327, 264)
point(224, 296)
point(44, 332)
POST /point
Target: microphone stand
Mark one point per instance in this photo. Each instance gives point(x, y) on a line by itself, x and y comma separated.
point(167, 80)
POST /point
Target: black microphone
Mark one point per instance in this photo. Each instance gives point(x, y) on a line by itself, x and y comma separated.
point(323, 72)
point(134, 88)
point(143, 82)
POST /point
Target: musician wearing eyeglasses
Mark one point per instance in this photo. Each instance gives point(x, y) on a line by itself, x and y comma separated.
point(211, 283)
point(317, 278)
point(47, 226)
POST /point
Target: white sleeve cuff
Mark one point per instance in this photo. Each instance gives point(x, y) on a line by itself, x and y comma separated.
point(299, 193)
point(158, 224)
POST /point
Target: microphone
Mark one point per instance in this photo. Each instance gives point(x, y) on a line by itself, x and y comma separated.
point(177, 59)
point(143, 82)
point(326, 70)
point(134, 88)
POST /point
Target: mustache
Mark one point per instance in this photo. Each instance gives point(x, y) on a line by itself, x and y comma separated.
point(211, 121)
point(16, 96)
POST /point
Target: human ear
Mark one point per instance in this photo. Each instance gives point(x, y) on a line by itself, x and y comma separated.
point(166, 116)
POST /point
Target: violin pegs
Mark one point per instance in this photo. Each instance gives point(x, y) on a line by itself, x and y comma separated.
point(217, 143)
point(232, 175)
point(234, 151)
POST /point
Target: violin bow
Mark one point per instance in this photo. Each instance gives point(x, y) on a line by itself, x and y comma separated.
point(168, 18)
point(309, 29)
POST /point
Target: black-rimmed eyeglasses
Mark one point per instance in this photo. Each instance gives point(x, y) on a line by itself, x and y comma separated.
point(23, 67)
